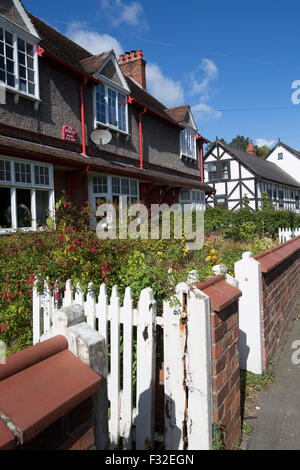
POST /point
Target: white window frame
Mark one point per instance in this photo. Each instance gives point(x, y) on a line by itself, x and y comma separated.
point(182, 154)
point(13, 185)
point(197, 203)
point(108, 196)
point(18, 32)
point(117, 90)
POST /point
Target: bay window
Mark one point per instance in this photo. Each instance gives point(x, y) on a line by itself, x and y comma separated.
point(18, 63)
point(188, 143)
point(26, 192)
point(111, 108)
point(194, 197)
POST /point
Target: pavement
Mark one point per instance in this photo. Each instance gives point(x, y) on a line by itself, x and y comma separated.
point(277, 422)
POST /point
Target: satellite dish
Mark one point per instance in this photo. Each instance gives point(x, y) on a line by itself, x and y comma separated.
point(101, 137)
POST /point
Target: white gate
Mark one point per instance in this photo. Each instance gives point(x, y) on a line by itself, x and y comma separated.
point(130, 337)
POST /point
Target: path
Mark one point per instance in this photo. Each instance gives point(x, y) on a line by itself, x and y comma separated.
point(277, 426)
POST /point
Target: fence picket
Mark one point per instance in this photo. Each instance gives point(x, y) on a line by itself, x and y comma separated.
point(36, 312)
point(126, 410)
point(91, 305)
point(79, 295)
point(145, 370)
point(68, 295)
point(47, 301)
point(174, 369)
point(114, 383)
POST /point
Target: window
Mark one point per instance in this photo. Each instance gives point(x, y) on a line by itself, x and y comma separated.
point(110, 188)
point(188, 143)
point(280, 197)
point(211, 168)
point(280, 156)
point(194, 197)
point(18, 63)
point(111, 107)
point(221, 201)
point(297, 202)
point(26, 192)
point(100, 184)
point(225, 167)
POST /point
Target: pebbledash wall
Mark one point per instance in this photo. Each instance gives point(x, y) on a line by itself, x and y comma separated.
point(270, 283)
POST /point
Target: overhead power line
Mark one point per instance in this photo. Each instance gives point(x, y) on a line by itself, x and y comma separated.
point(178, 46)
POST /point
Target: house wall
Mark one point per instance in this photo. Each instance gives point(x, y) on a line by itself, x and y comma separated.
point(290, 163)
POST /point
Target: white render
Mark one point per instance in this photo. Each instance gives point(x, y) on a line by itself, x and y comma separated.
point(290, 163)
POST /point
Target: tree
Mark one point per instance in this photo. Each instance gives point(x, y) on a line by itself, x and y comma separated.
point(240, 142)
point(263, 151)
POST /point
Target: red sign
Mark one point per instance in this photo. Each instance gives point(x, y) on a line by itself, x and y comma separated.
point(69, 133)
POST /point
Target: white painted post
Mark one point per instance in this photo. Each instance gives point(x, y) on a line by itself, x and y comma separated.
point(174, 368)
point(114, 385)
point(102, 313)
point(198, 372)
point(247, 272)
point(145, 370)
point(79, 295)
point(126, 402)
point(68, 294)
point(47, 307)
point(91, 305)
point(36, 312)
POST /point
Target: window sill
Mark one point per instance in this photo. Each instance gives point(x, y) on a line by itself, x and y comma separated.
point(7, 231)
point(19, 93)
point(194, 159)
point(111, 128)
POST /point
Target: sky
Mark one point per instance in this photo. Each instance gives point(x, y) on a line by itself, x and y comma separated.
point(233, 62)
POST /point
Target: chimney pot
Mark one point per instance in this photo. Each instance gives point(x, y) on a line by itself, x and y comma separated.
point(251, 149)
point(133, 65)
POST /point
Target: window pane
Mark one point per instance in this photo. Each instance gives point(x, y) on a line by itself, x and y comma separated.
point(112, 107)
point(42, 206)
point(100, 184)
point(22, 72)
point(2, 66)
point(11, 80)
point(10, 66)
point(225, 171)
point(9, 52)
point(133, 188)
point(23, 85)
point(100, 103)
point(23, 208)
point(1, 48)
point(8, 38)
point(5, 208)
point(21, 58)
point(122, 111)
point(116, 185)
point(21, 45)
point(125, 186)
point(185, 196)
point(4, 170)
point(22, 173)
point(29, 49)
point(30, 63)
point(1, 34)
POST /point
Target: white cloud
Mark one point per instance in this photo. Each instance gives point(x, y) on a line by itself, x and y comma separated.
point(202, 80)
point(120, 12)
point(163, 88)
point(261, 142)
point(91, 40)
point(204, 112)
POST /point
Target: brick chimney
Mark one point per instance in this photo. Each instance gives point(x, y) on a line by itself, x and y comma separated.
point(251, 149)
point(133, 66)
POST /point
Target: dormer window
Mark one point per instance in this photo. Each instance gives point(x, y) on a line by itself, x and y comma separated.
point(111, 108)
point(18, 63)
point(188, 143)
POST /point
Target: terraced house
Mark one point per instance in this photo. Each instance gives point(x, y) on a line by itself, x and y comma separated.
point(53, 95)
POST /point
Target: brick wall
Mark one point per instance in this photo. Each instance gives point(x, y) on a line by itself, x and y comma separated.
point(226, 373)
point(280, 288)
point(225, 356)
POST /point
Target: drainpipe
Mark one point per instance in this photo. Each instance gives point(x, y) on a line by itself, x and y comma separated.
point(82, 115)
point(141, 136)
point(201, 161)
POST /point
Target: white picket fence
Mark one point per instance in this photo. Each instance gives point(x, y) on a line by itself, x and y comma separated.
point(285, 234)
point(186, 356)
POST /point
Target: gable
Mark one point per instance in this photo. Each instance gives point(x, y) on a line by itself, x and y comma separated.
point(14, 11)
point(114, 75)
point(189, 120)
point(109, 71)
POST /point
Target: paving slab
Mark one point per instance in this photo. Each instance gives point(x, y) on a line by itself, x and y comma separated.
point(277, 422)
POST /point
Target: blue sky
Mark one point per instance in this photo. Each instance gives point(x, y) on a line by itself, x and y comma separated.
point(225, 59)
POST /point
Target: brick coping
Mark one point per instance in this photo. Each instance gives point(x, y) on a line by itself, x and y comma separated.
point(271, 258)
point(221, 293)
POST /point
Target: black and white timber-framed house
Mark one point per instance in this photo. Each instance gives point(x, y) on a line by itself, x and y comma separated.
point(234, 174)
